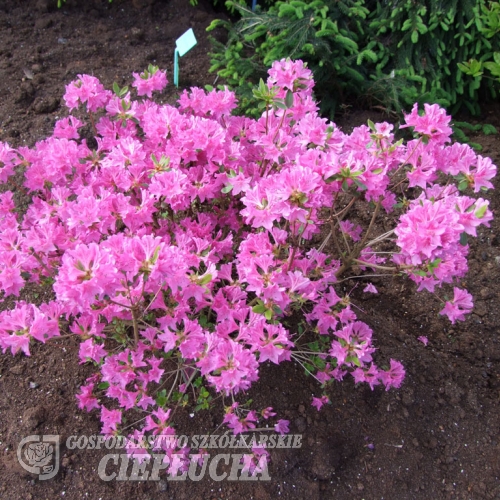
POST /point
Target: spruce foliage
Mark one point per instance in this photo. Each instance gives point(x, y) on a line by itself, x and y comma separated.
point(390, 53)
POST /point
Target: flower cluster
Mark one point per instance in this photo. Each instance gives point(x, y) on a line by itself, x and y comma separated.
point(180, 244)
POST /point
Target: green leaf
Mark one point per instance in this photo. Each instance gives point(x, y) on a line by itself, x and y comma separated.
point(205, 280)
point(463, 239)
point(227, 188)
point(361, 186)
point(289, 99)
point(259, 309)
point(354, 360)
point(489, 129)
point(366, 54)
point(161, 398)
point(406, 25)
point(286, 10)
point(493, 67)
point(348, 44)
point(472, 68)
point(309, 368)
point(479, 213)
point(314, 346)
point(280, 103)
point(268, 314)
point(420, 273)
point(434, 264)
point(156, 254)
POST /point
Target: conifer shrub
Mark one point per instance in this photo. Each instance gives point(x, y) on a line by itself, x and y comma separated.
point(390, 54)
point(326, 34)
point(488, 23)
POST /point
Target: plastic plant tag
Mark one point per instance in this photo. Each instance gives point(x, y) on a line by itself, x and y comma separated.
point(176, 67)
point(183, 44)
point(186, 42)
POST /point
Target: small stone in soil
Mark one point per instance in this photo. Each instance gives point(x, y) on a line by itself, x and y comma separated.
point(17, 370)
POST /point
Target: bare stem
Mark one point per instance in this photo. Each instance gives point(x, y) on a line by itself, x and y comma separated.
point(356, 252)
point(40, 261)
point(374, 216)
point(383, 268)
point(135, 318)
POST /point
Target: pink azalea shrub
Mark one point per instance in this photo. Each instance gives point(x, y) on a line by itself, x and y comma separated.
point(179, 243)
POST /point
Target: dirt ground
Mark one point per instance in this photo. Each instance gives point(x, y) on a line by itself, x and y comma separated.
point(438, 437)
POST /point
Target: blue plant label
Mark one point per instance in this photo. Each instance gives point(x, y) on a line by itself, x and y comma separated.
point(186, 42)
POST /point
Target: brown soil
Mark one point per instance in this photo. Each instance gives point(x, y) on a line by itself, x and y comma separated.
point(437, 437)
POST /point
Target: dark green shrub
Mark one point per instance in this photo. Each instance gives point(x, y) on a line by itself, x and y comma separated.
point(488, 23)
point(428, 39)
point(327, 34)
point(390, 53)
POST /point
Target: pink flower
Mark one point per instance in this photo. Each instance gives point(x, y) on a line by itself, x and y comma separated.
point(255, 462)
point(86, 272)
point(239, 425)
point(423, 339)
point(267, 412)
point(291, 75)
point(179, 462)
point(271, 341)
point(215, 103)
point(155, 372)
point(484, 172)
point(15, 343)
point(319, 402)
point(86, 400)
point(161, 427)
point(136, 445)
point(427, 228)
point(350, 229)
point(354, 341)
point(90, 350)
point(263, 207)
point(237, 367)
point(149, 80)
point(67, 128)
point(371, 376)
point(434, 123)
point(8, 159)
point(282, 427)
point(370, 288)
point(110, 420)
point(457, 308)
point(393, 377)
point(86, 90)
